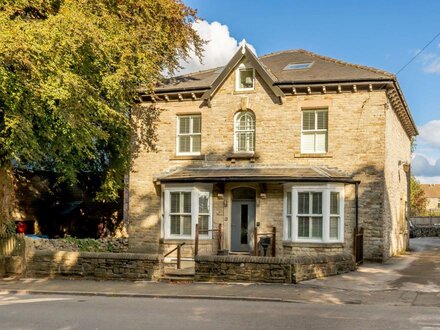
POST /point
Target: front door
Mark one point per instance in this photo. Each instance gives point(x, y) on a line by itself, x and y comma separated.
point(243, 223)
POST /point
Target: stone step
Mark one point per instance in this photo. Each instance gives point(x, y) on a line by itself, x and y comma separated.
point(177, 279)
point(181, 272)
point(178, 275)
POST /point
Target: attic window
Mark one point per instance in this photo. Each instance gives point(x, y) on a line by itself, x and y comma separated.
point(298, 66)
point(244, 78)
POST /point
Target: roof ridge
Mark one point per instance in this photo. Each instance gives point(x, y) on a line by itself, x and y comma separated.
point(280, 52)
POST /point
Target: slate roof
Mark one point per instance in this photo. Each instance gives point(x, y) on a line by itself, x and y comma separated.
point(256, 173)
point(324, 69)
point(431, 190)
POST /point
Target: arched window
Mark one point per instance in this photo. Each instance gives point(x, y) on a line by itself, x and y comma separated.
point(244, 132)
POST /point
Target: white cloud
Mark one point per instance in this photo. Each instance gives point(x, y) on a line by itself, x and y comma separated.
point(218, 51)
point(421, 167)
point(432, 179)
point(430, 134)
point(426, 161)
point(431, 62)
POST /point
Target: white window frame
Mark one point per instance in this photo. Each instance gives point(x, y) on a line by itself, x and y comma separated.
point(325, 189)
point(166, 204)
point(237, 131)
point(314, 131)
point(243, 67)
point(190, 134)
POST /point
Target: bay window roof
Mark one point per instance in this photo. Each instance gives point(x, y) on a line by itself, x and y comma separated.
point(257, 174)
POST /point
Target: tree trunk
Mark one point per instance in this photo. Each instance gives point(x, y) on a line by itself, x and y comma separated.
point(7, 198)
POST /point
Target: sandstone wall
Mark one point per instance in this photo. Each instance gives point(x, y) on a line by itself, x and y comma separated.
point(269, 269)
point(93, 265)
point(356, 145)
point(397, 152)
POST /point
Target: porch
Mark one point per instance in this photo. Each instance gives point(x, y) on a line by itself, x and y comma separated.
point(271, 212)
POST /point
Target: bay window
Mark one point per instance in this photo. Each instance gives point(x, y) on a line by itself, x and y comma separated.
point(314, 213)
point(184, 207)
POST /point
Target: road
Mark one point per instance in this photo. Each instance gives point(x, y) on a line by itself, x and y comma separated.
point(73, 312)
point(404, 293)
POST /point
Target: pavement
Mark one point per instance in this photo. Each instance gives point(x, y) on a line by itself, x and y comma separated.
point(407, 280)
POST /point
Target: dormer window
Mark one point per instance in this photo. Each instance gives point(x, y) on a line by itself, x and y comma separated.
point(245, 78)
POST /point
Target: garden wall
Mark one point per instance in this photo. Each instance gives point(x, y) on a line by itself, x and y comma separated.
point(427, 231)
point(93, 265)
point(269, 269)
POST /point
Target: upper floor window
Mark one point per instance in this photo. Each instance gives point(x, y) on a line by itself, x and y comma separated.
point(244, 132)
point(189, 134)
point(314, 134)
point(245, 78)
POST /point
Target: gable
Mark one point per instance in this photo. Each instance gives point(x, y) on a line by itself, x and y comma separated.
point(244, 54)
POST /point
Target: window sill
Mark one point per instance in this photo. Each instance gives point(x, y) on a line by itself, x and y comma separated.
point(244, 91)
point(242, 155)
point(314, 244)
point(187, 157)
point(189, 240)
point(323, 155)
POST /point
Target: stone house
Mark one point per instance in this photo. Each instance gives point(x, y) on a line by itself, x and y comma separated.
point(309, 145)
point(432, 193)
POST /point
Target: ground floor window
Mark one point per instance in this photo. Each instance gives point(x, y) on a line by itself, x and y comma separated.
point(184, 207)
point(314, 213)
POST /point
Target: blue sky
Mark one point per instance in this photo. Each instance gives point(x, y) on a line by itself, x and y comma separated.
point(381, 34)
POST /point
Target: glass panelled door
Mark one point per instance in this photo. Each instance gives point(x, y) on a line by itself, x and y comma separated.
point(243, 222)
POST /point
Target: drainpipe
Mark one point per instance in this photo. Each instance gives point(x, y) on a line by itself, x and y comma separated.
point(356, 194)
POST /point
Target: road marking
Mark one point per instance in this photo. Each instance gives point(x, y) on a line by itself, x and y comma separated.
point(5, 301)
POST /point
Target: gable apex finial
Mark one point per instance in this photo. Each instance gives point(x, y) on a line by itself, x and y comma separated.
point(243, 46)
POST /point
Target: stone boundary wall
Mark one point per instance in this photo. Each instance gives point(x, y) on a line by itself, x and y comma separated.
point(270, 269)
point(426, 231)
point(93, 265)
point(425, 221)
point(108, 244)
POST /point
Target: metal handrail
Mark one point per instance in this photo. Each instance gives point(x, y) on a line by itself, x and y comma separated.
point(196, 241)
point(178, 248)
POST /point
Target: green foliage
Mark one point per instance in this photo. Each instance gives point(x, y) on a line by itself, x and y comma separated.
point(70, 74)
point(418, 198)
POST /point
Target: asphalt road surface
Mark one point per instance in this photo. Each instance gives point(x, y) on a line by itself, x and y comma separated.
point(79, 312)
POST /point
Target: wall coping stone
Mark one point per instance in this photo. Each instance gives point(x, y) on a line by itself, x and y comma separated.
point(300, 259)
point(96, 255)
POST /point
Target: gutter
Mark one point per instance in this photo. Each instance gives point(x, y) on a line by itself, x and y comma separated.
point(258, 179)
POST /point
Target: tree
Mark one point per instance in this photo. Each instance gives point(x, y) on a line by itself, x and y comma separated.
point(70, 73)
point(418, 198)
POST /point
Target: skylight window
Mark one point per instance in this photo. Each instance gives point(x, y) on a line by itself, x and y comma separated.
point(298, 66)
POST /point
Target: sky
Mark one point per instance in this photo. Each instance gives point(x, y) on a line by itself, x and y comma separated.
point(380, 34)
